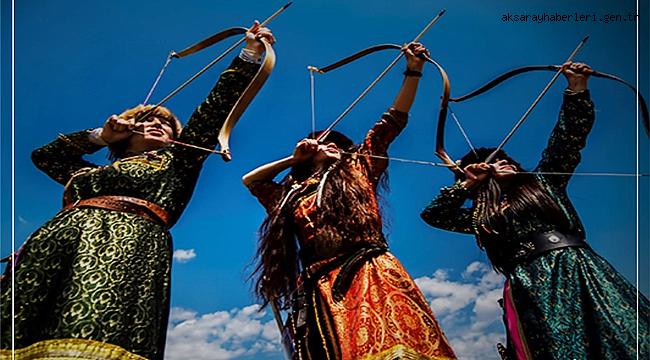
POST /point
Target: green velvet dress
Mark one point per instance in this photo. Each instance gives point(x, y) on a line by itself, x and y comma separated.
point(96, 282)
point(570, 303)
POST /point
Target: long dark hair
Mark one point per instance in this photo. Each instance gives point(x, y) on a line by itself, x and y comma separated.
point(348, 215)
point(526, 196)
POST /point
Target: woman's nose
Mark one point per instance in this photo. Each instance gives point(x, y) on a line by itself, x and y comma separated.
point(153, 121)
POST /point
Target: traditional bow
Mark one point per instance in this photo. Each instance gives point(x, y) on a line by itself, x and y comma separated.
point(440, 148)
point(247, 95)
point(444, 99)
point(366, 52)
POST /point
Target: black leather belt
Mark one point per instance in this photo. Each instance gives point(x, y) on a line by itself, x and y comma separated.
point(531, 247)
point(349, 263)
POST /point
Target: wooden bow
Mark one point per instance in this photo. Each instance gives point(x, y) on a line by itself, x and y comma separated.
point(524, 69)
point(247, 95)
point(444, 98)
point(359, 55)
point(440, 149)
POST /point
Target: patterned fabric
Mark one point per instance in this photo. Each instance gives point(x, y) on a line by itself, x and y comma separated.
point(400, 352)
point(572, 304)
point(383, 313)
point(589, 312)
point(104, 275)
point(69, 349)
point(383, 308)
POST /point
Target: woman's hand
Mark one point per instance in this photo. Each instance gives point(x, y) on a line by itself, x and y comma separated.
point(305, 150)
point(476, 174)
point(413, 61)
point(577, 75)
point(116, 129)
point(254, 34)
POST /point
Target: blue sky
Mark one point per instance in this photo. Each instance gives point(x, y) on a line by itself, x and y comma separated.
point(78, 62)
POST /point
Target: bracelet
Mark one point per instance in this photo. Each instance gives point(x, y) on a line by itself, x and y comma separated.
point(413, 73)
point(250, 56)
point(574, 92)
point(95, 136)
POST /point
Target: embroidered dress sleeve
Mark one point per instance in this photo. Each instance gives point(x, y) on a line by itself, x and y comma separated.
point(64, 156)
point(205, 123)
point(379, 138)
point(447, 212)
point(268, 193)
point(569, 137)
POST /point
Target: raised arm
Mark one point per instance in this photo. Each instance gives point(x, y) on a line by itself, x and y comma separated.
point(447, 212)
point(205, 123)
point(64, 156)
point(382, 134)
point(569, 136)
point(260, 180)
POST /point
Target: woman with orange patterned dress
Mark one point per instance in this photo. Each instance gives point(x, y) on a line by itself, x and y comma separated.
point(322, 252)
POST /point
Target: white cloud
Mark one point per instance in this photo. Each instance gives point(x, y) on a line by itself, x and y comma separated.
point(183, 256)
point(179, 314)
point(467, 309)
point(234, 334)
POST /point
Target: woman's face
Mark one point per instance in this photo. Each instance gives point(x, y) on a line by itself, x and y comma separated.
point(504, 172)
point(151, 134)
point(326, 154)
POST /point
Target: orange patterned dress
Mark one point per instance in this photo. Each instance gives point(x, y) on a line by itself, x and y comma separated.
point(360, 303)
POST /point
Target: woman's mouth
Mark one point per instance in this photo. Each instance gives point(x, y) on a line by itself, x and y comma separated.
point(156, 132)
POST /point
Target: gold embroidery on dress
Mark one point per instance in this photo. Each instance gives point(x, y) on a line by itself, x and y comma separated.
point(71, 348)
point(150, 160)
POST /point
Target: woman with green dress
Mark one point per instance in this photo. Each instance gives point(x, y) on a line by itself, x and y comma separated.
point(94, 281)
point(561, 299)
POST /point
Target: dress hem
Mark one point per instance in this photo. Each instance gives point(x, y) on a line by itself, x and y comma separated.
point(71, 349)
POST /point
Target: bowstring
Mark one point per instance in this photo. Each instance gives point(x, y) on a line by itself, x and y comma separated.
point(434, 164)
point(155, 83)
point(462, 131)
point(172, 141)
point(419, 162)
point(574, 173)
point(535, 102)
point(312, 93)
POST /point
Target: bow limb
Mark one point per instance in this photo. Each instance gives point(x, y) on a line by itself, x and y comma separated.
point(209, 41)
point(376, 48)
point(355, 56)
point(245, 99)
point(206, 43)
point(442, 118)
point(521, 70)
point(377, 79)
point(444, 99)
point(367, 89)
point(645, 118)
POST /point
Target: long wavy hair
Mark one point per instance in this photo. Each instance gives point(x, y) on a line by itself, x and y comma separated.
point(526, 197)
point(348, 215)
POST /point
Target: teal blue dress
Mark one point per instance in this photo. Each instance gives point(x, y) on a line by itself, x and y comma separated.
point(569, 303)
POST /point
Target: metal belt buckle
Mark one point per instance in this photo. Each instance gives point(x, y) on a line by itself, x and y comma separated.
point(553, 238)
point(300, 306)
point(301, 319)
